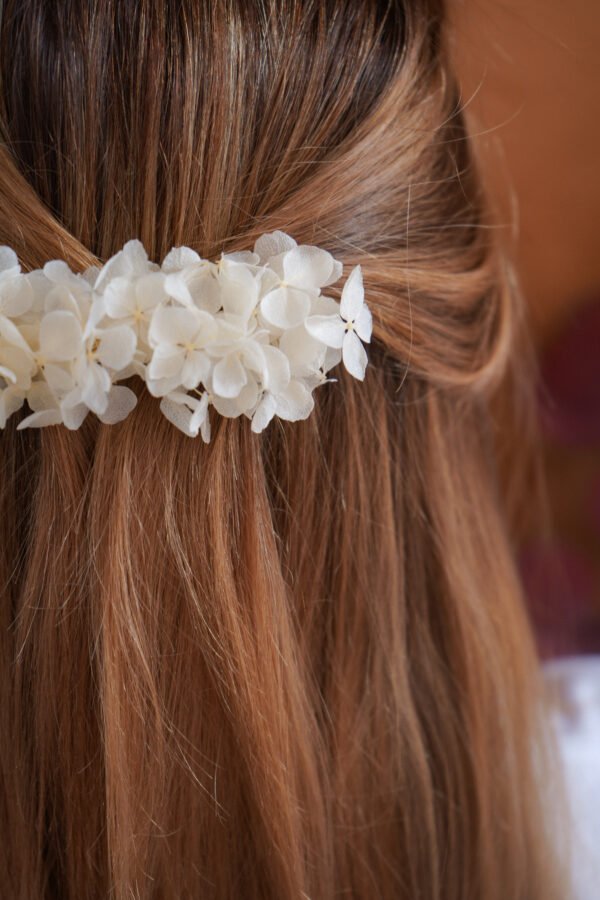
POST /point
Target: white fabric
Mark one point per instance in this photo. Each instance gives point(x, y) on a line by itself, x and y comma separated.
point(575, 682)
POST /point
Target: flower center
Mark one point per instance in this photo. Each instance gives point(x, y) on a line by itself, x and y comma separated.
point(91, 353)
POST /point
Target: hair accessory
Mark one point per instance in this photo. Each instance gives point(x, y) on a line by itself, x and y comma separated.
point(251, 334)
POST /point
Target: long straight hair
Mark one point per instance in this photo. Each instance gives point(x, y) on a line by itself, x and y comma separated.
point(294, 665)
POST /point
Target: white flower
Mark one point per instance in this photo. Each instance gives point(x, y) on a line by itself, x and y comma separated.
point(132, 302)
point(301, 272)
point(180, 339)
point(80, 360)
point(349, 327)
point(191, 280)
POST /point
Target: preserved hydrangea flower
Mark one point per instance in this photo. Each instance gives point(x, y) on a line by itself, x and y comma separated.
point(250, 335)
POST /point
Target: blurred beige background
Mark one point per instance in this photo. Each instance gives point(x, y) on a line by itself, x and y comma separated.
point(530, 75)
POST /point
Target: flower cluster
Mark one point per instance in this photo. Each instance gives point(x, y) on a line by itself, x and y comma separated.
point(251, 334)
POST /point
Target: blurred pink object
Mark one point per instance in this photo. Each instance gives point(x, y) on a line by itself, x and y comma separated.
point(571, 379)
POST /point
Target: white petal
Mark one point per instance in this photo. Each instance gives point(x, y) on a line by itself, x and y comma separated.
point(295, 403)
point(276, 375)
point(263, 413)
point(237, 406)
point(248, 396)
point(131, 261)
point(121, 401)
point(268, 280)
point(354, 355)
point(96, 312)
point(180, 258)
point(8, 374)
point(60, 336)
point(200, 419)
point(179, 415)
point(204, 289)
point(253, 356)
point(239, 290)
point(272, 244)
point(91, 275)
point(160, 387)
point(304, 352)
point(40, 397)
point(207, 329)
point(353, 295)
point(94, 387)
point(11, 400)
point(119, 298)
point(188, 400)
point(116, 347)
point(41, 419)
point(65, 298)
point(9, 261)
point(229, 377)
point(17, 364)
point(188, 413)
point(333, 356)
point(16, 296)
point(73, 416)
point(57, 271)
point(196, 369)
point(166, 362)
point(363, 324)
point(285, 307)
point(242, 256)
point(205, 430)
point(230, 409)
point(327, 329)
point(150, 290)
point(336, 272)
point(135, 256)
point(176, 286)
point(172, 325)
point(58, 379)
point(308, 268)
point(324, 306)
point(12, 334)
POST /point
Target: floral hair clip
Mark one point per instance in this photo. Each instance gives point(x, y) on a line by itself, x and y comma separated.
point(251, 334)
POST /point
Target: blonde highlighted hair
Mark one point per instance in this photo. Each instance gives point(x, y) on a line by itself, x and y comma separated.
point(295, 665)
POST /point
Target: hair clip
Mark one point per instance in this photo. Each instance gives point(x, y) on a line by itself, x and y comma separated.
point(251, 334)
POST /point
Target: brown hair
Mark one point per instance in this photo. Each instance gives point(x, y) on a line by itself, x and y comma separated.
point(288, 666)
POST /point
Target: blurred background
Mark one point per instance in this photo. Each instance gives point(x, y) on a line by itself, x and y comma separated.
point(530, 82)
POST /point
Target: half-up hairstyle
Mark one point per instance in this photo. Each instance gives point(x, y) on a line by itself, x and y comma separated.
point(282, 666)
